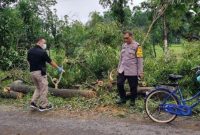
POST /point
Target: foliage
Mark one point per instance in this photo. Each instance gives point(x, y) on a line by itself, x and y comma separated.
point(92, 49)
point(94, 52)
point(157, 69)
point(20, 25)
point(13, 59)
point(118, 8)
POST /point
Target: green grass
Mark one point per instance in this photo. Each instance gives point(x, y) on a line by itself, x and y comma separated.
point(105, 99)
point(178, 49)
point(174, 48)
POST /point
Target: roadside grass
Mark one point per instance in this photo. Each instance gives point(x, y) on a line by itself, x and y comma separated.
point(104, 104)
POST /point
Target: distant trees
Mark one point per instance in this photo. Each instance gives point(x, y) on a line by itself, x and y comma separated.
point(176, 19)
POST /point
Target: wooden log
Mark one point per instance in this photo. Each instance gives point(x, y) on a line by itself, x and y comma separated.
point(18, 86)
point(65, 93)
point(11, 94)
point(142, 91)
point(145, 90)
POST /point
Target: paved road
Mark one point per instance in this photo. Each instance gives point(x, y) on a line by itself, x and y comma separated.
point(14, 122)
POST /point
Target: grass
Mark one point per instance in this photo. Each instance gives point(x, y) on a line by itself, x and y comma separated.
point(104, 103)
point(174, 48)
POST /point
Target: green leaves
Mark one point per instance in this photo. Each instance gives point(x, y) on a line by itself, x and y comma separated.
point(12, 59)
point(118, 9)
point(157, 69)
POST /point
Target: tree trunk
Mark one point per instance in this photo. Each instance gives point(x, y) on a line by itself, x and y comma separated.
point(165, 38)
point(149, 30)
point(65, 93)
point(159, 12)
point(11, 94)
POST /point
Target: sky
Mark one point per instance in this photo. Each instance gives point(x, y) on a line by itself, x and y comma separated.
point(80, 9)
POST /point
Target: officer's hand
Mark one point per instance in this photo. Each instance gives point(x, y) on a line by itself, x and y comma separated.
point(60, 69)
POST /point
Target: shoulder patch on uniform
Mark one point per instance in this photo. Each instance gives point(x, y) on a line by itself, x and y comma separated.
point(139, 52)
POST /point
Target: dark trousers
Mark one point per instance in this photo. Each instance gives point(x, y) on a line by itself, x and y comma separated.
point(133, 83)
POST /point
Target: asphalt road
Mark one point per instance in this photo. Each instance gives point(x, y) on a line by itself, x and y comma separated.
point(16, 122)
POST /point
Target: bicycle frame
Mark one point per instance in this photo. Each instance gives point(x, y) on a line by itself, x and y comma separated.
point(184, 101)
point(181, 99)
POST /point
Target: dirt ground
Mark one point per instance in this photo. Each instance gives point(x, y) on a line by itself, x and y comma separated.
point(20, 121)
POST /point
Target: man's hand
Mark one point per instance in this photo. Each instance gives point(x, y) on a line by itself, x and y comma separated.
point(60, 69)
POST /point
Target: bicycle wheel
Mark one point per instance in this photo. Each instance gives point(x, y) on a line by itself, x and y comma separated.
point(153, 107)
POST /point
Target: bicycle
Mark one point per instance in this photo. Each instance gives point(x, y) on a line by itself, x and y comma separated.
point(163, 105)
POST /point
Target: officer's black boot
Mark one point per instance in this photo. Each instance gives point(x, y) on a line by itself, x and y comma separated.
point(121, 101)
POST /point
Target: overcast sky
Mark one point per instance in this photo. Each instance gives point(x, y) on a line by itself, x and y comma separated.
point(80, 9)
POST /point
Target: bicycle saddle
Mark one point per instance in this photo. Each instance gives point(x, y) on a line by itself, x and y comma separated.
point(175, 77)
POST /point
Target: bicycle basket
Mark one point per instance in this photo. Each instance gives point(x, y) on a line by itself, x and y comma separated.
point(198, 75)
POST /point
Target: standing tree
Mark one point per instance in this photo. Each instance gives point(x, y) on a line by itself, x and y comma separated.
point(118, 8)
point(170, 13)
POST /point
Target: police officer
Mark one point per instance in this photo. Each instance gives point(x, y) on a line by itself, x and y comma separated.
point(37, 58)
point(130, 67)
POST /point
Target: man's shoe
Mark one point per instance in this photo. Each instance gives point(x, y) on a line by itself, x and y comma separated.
point(33, 105)
point(48, 107)
point(121, 101)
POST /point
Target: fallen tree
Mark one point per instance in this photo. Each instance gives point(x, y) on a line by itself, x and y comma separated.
point(18, 86)
point(11, 94)
point(8, 93)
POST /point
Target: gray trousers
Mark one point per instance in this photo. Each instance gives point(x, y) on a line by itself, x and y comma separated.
point(40, 94)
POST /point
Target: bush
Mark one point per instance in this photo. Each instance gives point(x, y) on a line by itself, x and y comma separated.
point(157, 69)
point(12, 58)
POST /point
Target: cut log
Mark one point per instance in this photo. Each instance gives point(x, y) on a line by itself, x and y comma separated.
point(142, 91)
point(145, 90)
point(7, 89)
point(11, 94)
point(18, 86)
point(65, 93)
